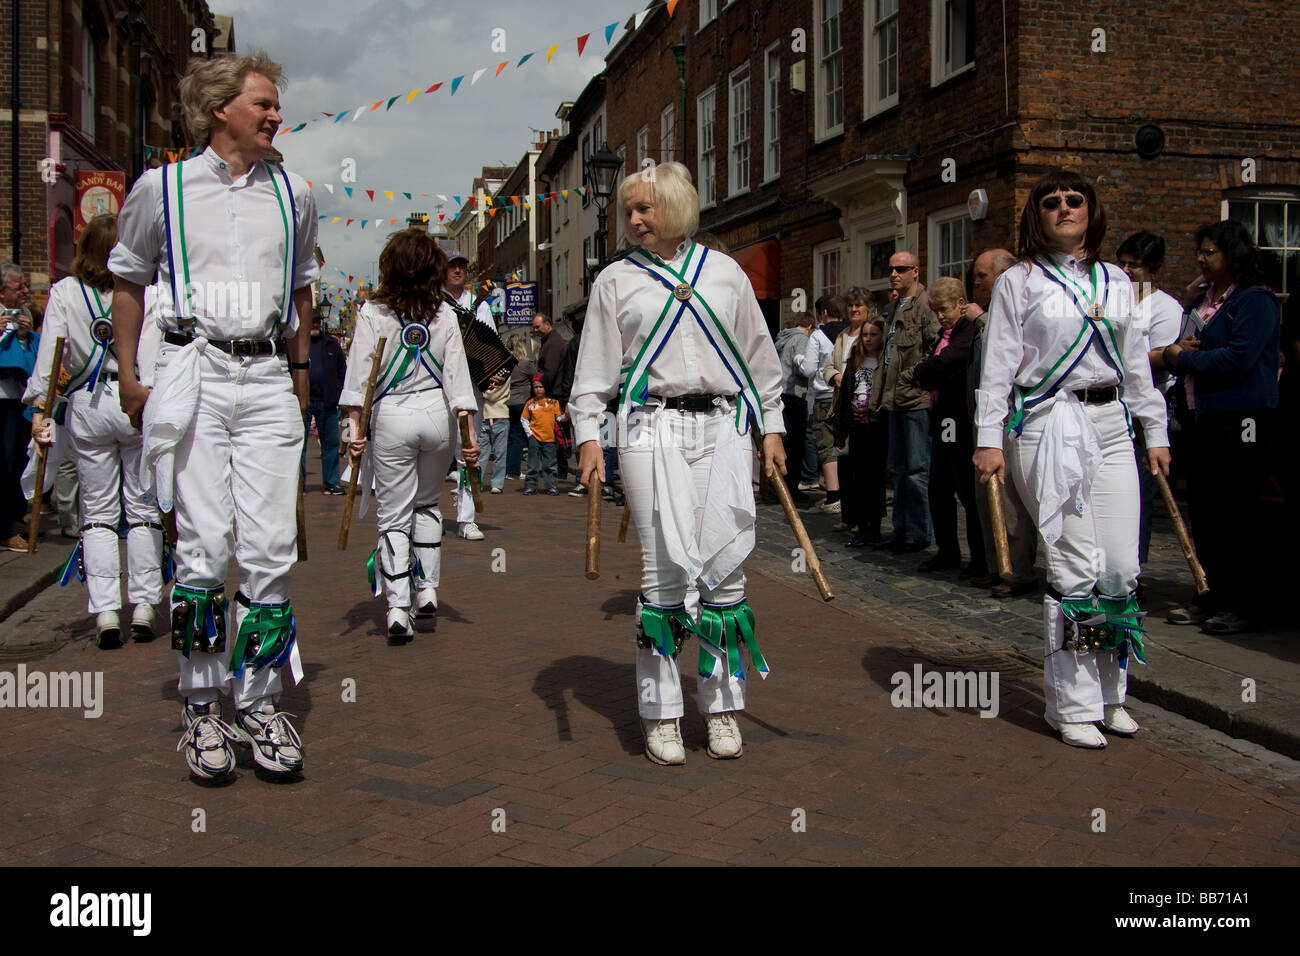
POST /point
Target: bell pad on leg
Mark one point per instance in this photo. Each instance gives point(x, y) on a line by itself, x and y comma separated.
point(723, 629)
point(266, 636)
point(198, 619)
point(664, 628)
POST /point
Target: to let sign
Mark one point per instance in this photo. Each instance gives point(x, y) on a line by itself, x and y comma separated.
point(521, 303)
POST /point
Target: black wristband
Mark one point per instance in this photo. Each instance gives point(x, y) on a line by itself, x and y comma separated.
point(298, 365)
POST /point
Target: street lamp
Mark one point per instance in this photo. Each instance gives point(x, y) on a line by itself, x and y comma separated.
point(602, 168)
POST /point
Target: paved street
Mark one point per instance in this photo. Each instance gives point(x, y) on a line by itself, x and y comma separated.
point(519, 711)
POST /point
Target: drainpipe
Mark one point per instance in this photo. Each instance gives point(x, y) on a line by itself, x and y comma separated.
point(679, 52)
point(15, 106)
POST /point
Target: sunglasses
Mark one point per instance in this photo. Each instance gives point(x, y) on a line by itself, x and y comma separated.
point(901, 268)
point(1074, 201)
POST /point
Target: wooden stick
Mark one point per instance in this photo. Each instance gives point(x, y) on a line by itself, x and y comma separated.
point(800, 532)
point(465, 419)
point(593, 527)
point(38, 496)
point(362, 426)
point(622, 525)
point(1184, 539)
point(302, 525)
point(998, 519)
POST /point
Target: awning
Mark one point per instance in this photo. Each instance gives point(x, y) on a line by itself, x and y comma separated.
point(762, 263)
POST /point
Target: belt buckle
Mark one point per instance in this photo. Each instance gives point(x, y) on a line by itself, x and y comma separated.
point(243, 347)
point(186, 325)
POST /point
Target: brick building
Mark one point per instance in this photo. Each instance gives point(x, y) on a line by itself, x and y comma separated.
point(97, 81)
point(823, 136)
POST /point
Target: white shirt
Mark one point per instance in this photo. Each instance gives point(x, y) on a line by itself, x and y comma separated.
point(67, 316)
point(625, 303)
point(235, 241)
point(813, 362)
point(1162, 316)
point(466, 301)
point(1031, 324)
point(375, 321)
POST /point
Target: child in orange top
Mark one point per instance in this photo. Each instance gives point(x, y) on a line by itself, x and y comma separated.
point(539, 417)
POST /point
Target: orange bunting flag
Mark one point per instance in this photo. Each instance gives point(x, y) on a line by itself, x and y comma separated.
point(391, 221)
point(501, 67)
point(378, 103)
point(582, 42)
point(551, 52)
point(492, 212)
point(672, 5)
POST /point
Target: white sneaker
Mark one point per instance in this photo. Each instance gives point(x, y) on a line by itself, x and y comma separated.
point(276, 746)
point(724, 736)
point(663, 742)
point(142, 622)
point(399, 626)
point(470, 530)
point(833, 508)
point(207, 741)
point(1118, 721)
point(109, 629)
point(1078, 735)
point(426, 601)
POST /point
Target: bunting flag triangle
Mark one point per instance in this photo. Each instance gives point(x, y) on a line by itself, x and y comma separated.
point(672, 5)
point(390, 195)
point(371, 194)
point(500, 67)
point(565, 194)
point(434, 87)
point(582, 43)
point(341, 115)
point(442, 216)
point(391, 221)
point(356, 113)
point(640, 18)
point(551, 52)
point(455, 83)
point(526, 206)
point(349, 277)
point(378, 103)
point(609, 31)
point(348, 223)
point(298, 127)
point(441, 196)
point(477, 73)
point(348, 190)
point(492, 212)
point(523, 59)
point(457, 198)
point(407, 195)
point(335, 219)
point(330, 187)
point(363, 223)
point(391, 101)
point(309, 185)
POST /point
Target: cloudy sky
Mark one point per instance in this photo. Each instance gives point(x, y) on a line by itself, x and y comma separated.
point(339, 54)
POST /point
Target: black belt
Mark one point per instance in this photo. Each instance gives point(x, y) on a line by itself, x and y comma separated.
point(238, 347)
point(688, 403)
point(1097, 396)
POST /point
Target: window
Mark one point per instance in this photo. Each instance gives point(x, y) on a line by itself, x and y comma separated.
point(738, 110)
point(705, 174)
point(952, 37)
point(582, 170)
point(772, 112)
point(826, 265)
point(667, 135)
point(950, 243)
point(708, 12)
point(830, 68)
point(642, 146)
point(882, 56)
point(88, 83)
point(1274, 222)
point(878, 254)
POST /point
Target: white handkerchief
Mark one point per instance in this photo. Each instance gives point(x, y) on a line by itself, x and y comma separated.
point(167, 417)
point(1069, 454)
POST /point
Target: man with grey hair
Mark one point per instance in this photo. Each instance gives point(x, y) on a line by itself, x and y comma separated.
point(1022, 531)
point(223, 434)
point(18, 345)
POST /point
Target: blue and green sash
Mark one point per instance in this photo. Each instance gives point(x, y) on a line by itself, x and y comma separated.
point(101, 343)
point(413, 352)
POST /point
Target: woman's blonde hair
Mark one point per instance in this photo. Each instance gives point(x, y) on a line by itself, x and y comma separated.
point(209, 85)
point(674, 194)
point(96, 241)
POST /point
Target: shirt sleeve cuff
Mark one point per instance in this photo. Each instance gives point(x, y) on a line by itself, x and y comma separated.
point(125, 264)
point(351, 399)
point(987, 437)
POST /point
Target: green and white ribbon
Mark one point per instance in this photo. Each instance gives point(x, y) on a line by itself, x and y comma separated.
point(657, 626)
point(266, 637)
point(722, 632)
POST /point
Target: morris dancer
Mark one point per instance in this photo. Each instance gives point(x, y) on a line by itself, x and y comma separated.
point(674, 331)
point(1062, 342)
point(106, 445)
point(232, 237)
point(423, 384)
point(457, 294)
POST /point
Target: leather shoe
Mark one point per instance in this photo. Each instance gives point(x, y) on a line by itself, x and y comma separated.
point(1009, 589)
point(857, 541)
point(984, 580)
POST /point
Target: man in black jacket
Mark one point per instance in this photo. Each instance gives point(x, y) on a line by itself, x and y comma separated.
point(326, 373)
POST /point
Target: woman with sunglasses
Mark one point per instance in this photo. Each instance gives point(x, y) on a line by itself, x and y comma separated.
point(1062, 349)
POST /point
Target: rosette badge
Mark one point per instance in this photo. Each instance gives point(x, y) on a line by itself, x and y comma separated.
point(415, 335)
point(101, 330)
point(682, 292)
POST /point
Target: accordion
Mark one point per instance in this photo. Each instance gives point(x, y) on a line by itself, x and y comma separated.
point(485, 353)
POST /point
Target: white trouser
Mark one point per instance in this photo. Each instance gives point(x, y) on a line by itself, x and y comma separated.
point(1096, 550)
point(236, 492)
point(107, 450)
point(412, 435)
point(663, 583)
point(465, 496)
